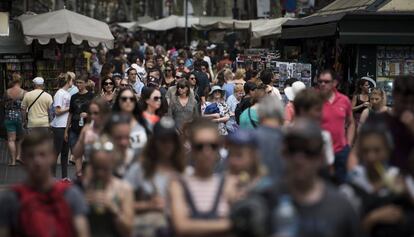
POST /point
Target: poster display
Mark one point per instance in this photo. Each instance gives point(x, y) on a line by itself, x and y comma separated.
point(393, 61)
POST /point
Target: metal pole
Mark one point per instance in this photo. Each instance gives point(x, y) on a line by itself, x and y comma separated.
point(186, 22)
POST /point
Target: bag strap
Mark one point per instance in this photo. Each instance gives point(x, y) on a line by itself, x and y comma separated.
point(218, 195)
point(30, 106)
point(250, 118)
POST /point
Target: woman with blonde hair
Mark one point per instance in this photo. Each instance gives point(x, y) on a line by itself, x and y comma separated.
point(239, 76)
point(377, 104)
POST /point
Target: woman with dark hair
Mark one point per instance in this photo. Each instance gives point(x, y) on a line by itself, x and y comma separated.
point(161, 161)
point(151, 104)
point(126, 102)
point(13, 118)
point(98, 114)
point(108, 90)
point(110, 199)
point(375, 188)
point(169, 77)
point(183, 108)
point(360, 100)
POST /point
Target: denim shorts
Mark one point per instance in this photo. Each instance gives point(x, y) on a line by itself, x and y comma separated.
point(14, 126)
point(73, 139)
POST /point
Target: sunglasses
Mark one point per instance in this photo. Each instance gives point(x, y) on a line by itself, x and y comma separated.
point(324, 82)
point(168, 70)
point(124, 85)
point(125, 98)
point(108, 84)
point(178, 77)
point(156, 98)
point(180, 64)
point(201, 146)
point(192, 78)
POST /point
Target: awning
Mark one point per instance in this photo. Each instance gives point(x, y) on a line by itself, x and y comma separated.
point(268, 27)
point(14, 43)
point(135, 24)
point(377, 28)
point(311, 26)
point(173, 21)
point(61, 24)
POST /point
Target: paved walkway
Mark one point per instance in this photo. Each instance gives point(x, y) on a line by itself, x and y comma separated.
point(13, 174)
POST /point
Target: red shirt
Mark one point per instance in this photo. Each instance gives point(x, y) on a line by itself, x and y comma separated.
point(334, 117)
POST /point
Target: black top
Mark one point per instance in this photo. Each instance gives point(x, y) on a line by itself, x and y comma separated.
point(79, 103)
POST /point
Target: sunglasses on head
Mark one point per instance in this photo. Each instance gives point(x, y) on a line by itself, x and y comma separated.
point(201, 146)
point(125, 98)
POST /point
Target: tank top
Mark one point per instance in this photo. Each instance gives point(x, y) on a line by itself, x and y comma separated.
point(12, 107)
point(358, 103)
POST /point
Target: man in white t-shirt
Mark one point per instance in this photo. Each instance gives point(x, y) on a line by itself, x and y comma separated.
point(61, 105)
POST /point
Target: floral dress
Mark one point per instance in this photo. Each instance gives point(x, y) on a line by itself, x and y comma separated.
point(224, 111)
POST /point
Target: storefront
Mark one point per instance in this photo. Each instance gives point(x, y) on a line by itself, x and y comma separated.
point(15, 56)
point(356, 44)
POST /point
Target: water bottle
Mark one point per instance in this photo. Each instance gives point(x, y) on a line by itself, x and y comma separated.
point(81, 122)
point(285, 218)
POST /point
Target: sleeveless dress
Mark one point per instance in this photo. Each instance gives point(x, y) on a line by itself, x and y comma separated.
point(13, 115)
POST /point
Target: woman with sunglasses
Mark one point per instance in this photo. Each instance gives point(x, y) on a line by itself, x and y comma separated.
point(108, 90)
point(161, 161)
point(169, 78)
point(127, 103)
point(150, 103)
point(110, 199)
point(200, 202)
point(98, 114)
point(183, 108)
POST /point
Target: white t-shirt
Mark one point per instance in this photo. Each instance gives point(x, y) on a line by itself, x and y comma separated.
point(62, 100)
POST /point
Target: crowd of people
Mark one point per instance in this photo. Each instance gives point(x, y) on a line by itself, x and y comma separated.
point(181, 143)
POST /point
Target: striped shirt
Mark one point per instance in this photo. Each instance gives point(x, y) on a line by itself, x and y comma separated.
point(203, 193)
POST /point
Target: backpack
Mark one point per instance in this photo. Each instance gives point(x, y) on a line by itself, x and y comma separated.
point(44, 214)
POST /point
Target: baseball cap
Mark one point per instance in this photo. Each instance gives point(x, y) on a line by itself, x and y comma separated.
point(38, 81)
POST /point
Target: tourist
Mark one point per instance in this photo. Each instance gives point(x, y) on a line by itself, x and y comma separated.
point(108, 90)
point(161, 161)
point(36, 106)
point(13, 119)
point(199, 202)
point(41, 205)
point(360, 101)
point(377, 104)
point(78, 114)
point(61, 104)
point(110, 199)
point(338, 120)
point(127, 103)
point(183, 108)
point(217, 110)
point(290, 93)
